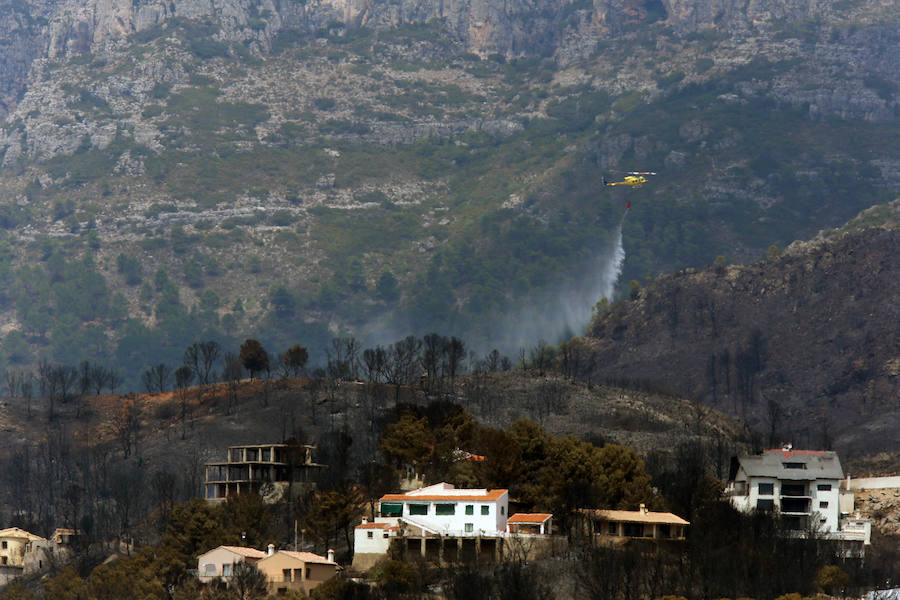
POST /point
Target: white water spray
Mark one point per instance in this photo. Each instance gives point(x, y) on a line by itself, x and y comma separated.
point(552, 316)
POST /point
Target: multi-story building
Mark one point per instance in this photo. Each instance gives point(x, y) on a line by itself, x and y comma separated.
point(249, 468)
point(803, 486)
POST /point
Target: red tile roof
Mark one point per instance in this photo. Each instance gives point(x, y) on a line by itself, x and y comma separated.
point(247, 552)
point(490, 496)
point(307, 557)
point(529, 518)
point(373, 526)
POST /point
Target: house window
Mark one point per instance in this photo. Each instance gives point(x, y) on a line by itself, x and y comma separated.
point(823, 504)
point(485, 510)
point(385, 535)
point(612, 529)
point(418, 509)
point(766, 489)
point(307, 572)
point(470, 527)
point(4, 544)
point(634, 529)
point(793, 489)
point(445, 509)
point(793, 465)
point(391, 509)
point(502, 510)
point(286, 574)
point(209, 569)
point(824, 487)
point(765, 504)
point(665, 531)
point(370, 534)
point(267, 455)
point(470, 509)
point(226, 570)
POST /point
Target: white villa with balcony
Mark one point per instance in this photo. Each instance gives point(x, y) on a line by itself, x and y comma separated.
point(445, 524)
point(803, 486)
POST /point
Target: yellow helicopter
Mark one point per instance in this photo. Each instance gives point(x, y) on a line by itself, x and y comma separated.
point(633, 179)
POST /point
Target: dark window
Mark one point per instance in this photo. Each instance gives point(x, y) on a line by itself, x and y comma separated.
point(485, 509)
point(665, 531)
point(794, 505)
point(766, 489)
point(502, 510)
point(794, 465)
point(391, 509)
point(470, 509)
point(445, 509)
point(765, 504)
point(793, 489)
point(370, 534)
point(286, 574)
point(823, 505)
point(634, 529)
point(824, 487)
point(4, 545)
point(418, 509)
point(470, 527)
point(612, 529)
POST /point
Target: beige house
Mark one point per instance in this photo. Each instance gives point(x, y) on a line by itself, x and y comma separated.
point(219, 562)
point(302, 571)
point(14, 545)
point(622, 526)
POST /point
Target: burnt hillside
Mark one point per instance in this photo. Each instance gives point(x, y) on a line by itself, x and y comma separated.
point(804, 346)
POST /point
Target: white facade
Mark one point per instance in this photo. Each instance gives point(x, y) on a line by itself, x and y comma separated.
point(804, 486)
point(443, 509)
point(818, 499)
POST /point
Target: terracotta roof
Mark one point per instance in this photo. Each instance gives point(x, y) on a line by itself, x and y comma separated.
point(529, 518)
point(244, 551)
point(488, 496)
point(373, 526)
point(636, 516)
point(15, 532)
point(307, 557)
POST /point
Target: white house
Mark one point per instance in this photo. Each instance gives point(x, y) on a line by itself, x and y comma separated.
point(443, 509)
point(461, 522)
point(218, 563)
point(802, 485)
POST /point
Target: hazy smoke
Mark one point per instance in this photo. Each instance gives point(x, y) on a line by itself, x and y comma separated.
point(551, 316)
point(555, 316)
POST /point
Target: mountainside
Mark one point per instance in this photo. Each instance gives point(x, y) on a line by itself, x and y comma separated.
point(804, 346)
point(296, 170)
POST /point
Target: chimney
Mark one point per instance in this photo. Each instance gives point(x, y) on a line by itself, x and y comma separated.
point(271, 549)
point(365, 520)
point(331, 555)
point(643, 508)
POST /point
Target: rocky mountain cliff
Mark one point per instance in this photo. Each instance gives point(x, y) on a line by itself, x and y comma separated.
point(804, 346)
point(296, 170)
